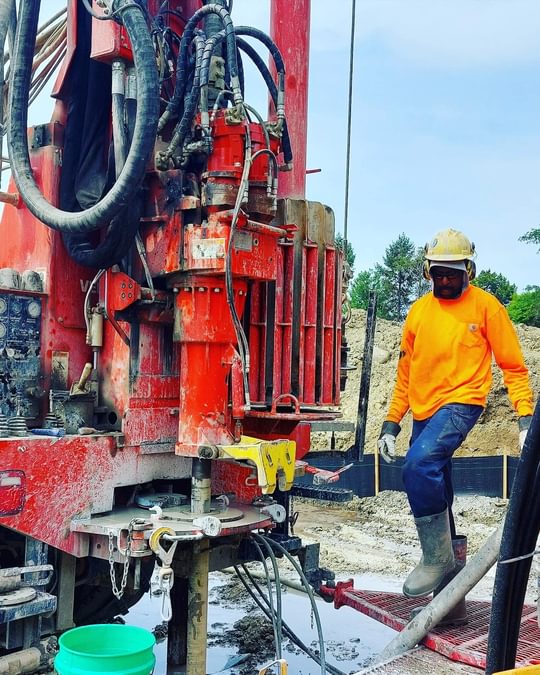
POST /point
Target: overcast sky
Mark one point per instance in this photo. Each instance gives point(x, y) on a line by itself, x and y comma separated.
point(446, 122)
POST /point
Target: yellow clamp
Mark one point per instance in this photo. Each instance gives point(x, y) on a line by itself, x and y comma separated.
point(274, 460)
point(282, 667)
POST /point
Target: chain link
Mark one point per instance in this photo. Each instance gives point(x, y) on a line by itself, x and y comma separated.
point(119, 592)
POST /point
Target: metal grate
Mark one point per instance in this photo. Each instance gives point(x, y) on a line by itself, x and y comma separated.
point(466, 644)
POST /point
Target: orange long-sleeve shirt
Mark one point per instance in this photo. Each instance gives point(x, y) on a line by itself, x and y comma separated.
point(446, 351)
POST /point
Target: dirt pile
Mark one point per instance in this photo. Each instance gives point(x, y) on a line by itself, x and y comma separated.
point(495, 433)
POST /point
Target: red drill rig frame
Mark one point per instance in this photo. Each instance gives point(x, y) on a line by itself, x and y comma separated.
point(144, 237)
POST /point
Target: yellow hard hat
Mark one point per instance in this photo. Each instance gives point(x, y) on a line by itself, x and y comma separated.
point(449, 245)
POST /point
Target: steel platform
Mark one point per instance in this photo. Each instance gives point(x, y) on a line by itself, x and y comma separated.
point(466, 644)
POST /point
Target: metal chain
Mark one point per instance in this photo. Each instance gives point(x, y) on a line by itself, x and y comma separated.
point(119, 592)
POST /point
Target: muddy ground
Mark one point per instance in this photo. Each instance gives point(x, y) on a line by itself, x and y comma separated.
point(372, 540)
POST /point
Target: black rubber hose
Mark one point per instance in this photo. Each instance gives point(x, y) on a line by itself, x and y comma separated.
point(116, 244)
point(172, 107)
point(520, 532)
point(182, 128)
point(267, 41)
point(248, 49)
point(6, 7)
point(132, 174)
point(272, 89)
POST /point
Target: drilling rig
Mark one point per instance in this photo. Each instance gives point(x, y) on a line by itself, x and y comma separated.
point(171, 315)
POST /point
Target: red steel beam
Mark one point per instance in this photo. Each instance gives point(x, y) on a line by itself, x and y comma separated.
point(289, 29)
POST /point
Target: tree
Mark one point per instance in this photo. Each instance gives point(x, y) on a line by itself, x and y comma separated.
point(422, 284)
point(350, 255)
point(399, 275)
point(497, 284)
point(532, 237)
point(525, 308)
point(363, 283)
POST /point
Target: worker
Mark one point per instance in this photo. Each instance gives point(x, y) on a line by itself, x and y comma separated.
point(444, 377)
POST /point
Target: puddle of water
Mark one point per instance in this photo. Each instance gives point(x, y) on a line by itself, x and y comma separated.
point(351, 638)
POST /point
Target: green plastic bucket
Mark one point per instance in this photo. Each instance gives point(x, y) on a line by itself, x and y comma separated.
point(106, 648)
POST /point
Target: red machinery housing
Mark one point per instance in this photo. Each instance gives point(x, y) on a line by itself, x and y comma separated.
point(209, 310)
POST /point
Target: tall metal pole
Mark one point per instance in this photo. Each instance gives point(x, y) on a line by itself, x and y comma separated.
point(349, 128)
point(289, 29)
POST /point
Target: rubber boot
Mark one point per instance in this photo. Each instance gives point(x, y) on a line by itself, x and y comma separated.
point(437, 555)
point(458, 615)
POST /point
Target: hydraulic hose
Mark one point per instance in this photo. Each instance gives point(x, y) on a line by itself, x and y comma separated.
point(6, 8)
point(187, 37)
point(272, 89)
point(519, 539)
point(182, 128)
point(128, 182)
point(248, 49)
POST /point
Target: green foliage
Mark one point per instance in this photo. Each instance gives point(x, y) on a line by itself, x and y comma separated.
point(361, 286)
point(350, 255)
point(525, 308)
point(398, 280)
point(532, 237)
point(497, 284)
point(399, 277)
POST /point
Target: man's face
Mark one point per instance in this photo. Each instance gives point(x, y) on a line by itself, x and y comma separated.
point(447, 282)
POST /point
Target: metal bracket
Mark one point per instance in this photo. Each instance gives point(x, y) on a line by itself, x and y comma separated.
point(274, 460)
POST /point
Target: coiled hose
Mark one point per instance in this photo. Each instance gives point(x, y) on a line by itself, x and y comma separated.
point(132, 174)
point(519, 539)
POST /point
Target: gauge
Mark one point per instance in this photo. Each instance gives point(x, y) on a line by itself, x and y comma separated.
point(3, 306)
point(16, 307)
point(34, 309)
point(3, 330)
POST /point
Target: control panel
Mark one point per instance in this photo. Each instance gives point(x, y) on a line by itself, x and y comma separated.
point(20, 337)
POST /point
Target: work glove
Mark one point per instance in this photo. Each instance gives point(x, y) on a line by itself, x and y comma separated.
point(387, 441)
point(524, 423)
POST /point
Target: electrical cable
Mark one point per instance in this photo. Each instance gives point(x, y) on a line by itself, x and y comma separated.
point(279, 608)
point(243, 345)
point(309, 591)
point(124, 188)
point(275, 614)
point(286, 628)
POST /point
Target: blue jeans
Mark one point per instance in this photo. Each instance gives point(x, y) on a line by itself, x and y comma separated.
point(427, 472)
